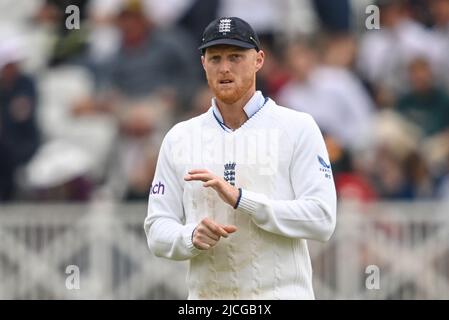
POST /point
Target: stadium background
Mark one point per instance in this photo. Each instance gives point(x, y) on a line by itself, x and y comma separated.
point(83, 112)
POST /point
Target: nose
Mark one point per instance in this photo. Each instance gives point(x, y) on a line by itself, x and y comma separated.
point(224, 67)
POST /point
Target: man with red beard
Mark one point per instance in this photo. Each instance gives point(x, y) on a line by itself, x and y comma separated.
point(247, 170)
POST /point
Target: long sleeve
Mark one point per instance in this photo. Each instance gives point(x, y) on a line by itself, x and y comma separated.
point(164, 225)
point(312, 214)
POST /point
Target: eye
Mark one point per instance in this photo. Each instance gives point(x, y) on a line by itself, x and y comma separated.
point(235, 57)
point(214, 59)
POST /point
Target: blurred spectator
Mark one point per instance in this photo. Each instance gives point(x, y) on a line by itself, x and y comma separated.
point(301, 93)
point(339, 157)
point(198, 16)
point(389, 176)
point(397, 167)
point(350, 182)
point(335, 15)
point(329, 91)
point(104, 38)
point(335, 74)
point(69, 44)
point(339, 50)
point(440, 13)
point(426, 105)
point(201, 102)
point(59, 171)
point(148, 82)
point(76, 151)
point(150, 59)
point(442, 191)
point(439, 10)
point(419, 177)
point(420, 11)
point(290, 17)
point(385, 53)
point(17, 13)
point(19, 135)
point(274, 74)
point(407, 178)
point(354, 187)
point(266, 16)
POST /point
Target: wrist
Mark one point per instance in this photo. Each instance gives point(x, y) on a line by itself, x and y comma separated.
point(191, 236)
point(237, 202)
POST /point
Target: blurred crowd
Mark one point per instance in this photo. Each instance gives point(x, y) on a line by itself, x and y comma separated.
point(83, 111)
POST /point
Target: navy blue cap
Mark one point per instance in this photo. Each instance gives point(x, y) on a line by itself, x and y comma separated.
point(232, 31)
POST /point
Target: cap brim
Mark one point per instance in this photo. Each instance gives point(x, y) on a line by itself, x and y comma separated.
point(232, 42)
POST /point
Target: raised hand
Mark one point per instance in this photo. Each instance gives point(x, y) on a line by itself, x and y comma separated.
point(226, 191)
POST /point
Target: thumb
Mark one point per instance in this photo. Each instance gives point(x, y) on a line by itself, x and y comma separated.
point(230, 228)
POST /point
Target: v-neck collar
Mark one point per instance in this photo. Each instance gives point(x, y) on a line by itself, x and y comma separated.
point(254, 104)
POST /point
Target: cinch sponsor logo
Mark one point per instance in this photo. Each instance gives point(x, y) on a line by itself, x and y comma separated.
point(158, 188)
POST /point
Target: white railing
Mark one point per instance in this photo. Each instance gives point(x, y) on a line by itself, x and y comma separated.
point(406, 244)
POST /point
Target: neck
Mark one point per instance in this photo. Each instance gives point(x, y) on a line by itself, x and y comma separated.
point(233, 114)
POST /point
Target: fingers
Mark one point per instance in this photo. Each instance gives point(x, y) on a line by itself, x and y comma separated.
point(200, 245)
point(199, 177)
point(195, 171)
point(230, 228)
point(215, 228)
point(208, 233)
point(208, 178)
point(202, 240)
point(211, 183)
point(227, 192)
point(204, 230)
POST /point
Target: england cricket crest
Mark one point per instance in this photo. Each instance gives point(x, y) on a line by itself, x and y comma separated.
point(224, 26)
point(229, 173)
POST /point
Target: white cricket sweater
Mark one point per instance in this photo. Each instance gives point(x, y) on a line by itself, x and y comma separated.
point(279, 159)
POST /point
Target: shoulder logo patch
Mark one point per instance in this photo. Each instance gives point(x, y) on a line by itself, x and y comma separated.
point(325, 168)
point(323, 163)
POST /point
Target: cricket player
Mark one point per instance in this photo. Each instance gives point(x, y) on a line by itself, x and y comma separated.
point(239, 189)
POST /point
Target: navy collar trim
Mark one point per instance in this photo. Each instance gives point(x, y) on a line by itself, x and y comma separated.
point(226, 128)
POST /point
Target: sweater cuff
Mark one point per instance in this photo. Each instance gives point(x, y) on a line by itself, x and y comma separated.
point(188, 235)
point(247, 204)
point(238, 199)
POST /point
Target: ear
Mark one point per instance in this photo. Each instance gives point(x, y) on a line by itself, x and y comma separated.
point(260, 58)
point(202, 62)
